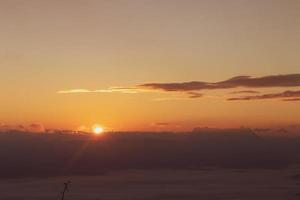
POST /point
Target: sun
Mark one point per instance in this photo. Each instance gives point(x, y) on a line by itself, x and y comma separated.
point(97, 129)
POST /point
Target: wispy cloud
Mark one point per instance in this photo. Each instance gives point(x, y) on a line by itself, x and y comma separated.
point(161, 124)
point(74, 91)
point(283, 95)
point(194, 95)
point(127, 90)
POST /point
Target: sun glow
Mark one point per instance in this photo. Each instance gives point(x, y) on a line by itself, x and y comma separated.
point(97, 129)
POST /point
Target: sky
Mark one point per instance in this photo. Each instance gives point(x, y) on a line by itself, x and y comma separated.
point(149, 65)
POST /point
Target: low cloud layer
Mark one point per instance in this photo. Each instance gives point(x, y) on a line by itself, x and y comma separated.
point(287, 94)
point(36, 128)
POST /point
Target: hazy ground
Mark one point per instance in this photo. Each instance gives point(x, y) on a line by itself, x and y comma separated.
point(162, 184)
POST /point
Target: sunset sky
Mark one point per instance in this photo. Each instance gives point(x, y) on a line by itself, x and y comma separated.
point(150, 65)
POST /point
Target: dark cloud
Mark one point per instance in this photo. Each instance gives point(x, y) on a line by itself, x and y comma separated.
point(36, 128)
point(245, 92)
point(186, 86)
point(6, 128)
point(162, 124)
point(292, 99)
point(194, 95)
point(286, 94)
point(262, 129)
point(288, 80)
point(21, 127)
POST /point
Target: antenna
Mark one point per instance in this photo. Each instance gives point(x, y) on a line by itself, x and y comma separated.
point(66, 188)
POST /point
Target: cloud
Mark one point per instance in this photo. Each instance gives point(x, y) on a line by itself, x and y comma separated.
point(162, 124)
point(292, 99)
point(21, 128)
point(74, 91)
point(127, 90)
point(5, 128)
point(245, 92)
point(288, 80)
point(83, 129)
point(194, 95)
point(39, 128)
point(171, 87)
point(262, 129)
point(286, 94)
point(130, 90)
point(172, 99)
point(191, 89)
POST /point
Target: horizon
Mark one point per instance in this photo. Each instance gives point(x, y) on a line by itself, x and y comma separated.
point(267, 133)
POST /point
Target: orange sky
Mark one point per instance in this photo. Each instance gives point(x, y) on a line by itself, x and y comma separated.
point(51, 47)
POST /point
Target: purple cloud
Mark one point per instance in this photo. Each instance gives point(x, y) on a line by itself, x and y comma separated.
point(286, 94)
point(288, 80)
point(245, 92)
point(292, 99)
point(194, 95)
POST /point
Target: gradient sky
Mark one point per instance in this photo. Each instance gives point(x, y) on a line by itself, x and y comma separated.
point(60, 45)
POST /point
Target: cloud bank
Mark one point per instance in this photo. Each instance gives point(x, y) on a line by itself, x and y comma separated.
point(35, 127)
point(289, 80)
point(191, 89)
point(286, 94)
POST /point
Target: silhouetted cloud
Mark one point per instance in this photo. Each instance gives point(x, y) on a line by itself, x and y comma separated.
point(292, 99)
point(6, 127)
point(286, 94)
point(21, 127)
point(36, 128)
point(3, 127)
point(191, 89)
point(172, 99)
point(245, 92)
point(262, 129)
point(194, 95)
point(289, 80)
point(162, 124)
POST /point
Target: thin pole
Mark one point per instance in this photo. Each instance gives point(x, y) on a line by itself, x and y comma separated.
point(65, 189)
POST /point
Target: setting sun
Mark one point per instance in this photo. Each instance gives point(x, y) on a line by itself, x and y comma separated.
point(97, 129)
